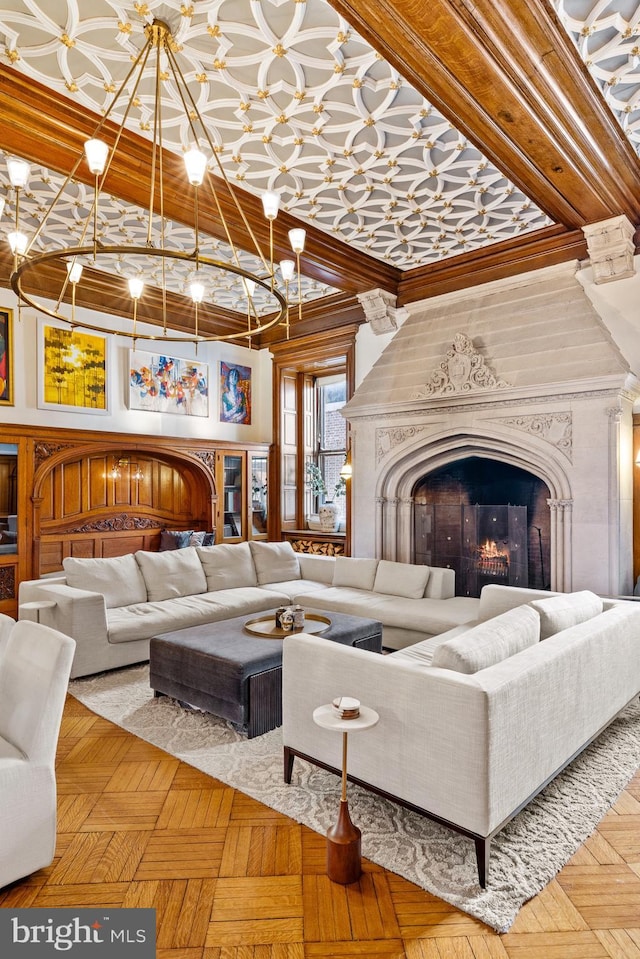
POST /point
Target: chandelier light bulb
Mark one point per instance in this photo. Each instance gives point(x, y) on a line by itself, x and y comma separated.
point(287, 269)
point(96, 153)
point(2, 203)
point(74, 269)
point(195, 163)
point(19, 172)
point(18, 242)
point(249, 286)
point(296, 239)
point(271, 204)
point(136, 286)
point(196, 290)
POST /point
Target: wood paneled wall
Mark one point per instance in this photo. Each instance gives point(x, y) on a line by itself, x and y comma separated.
point(68, 505)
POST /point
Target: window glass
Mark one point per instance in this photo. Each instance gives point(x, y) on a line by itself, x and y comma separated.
point(332, 436)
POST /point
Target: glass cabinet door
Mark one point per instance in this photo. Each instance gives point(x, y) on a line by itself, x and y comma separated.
point(233, 493)
point(8, 498)
point(258, 510)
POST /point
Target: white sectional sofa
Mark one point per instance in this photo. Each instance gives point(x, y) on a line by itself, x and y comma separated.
point(112, 607)
point(474, 723)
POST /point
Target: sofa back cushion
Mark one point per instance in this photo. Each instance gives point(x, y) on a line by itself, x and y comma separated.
point(565, 610)
point(401, 579)
point(171, 574)
point(356, 573)
point(227, 566)
point(491, 642)
point(118, 578)
point(274, 562)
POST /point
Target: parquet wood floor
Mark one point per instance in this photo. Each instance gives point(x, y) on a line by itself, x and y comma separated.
point(232, 879)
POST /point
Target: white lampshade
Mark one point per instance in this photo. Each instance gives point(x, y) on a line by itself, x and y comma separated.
point(136, 286)
point(296, 239)
point(19, 171)
point(18, 242)
point(271, 204)
point(74, 269)
point(195, 163)
point(2, 202)
point(196, 289)
point(249, 286)
point(96, 151)
point(287, 269)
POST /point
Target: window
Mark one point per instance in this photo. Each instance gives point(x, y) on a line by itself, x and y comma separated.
point(331, 396)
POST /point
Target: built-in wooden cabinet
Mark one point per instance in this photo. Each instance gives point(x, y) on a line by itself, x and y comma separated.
point(242, 483)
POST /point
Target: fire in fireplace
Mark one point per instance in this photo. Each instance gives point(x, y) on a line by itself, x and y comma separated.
point(488, 521)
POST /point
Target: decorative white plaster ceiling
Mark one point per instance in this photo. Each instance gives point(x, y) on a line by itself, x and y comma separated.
point(296, 101)
point(607, 35)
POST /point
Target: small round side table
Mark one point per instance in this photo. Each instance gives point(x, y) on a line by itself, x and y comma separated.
point(343, 840)
point(36, 606)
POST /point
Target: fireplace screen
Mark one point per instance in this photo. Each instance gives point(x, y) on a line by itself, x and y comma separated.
point(484, 544)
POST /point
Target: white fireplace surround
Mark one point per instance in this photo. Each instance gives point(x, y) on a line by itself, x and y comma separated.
point(522, 372)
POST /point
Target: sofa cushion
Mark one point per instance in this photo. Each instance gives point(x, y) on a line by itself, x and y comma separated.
point(175, 539)
point(202, 538)
point(118, 578)
point(490, 642)
point(274, 562)
point(355, 573)
point(170, 574)
point(565, 610)
point(401, 579)
point(227, 566)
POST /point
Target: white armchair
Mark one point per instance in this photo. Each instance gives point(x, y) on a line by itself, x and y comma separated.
point(34, 674)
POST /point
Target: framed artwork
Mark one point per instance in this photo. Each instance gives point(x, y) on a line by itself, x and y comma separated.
point(235, 393)
point(6, 357)
point(167, 384)
point(73, 369)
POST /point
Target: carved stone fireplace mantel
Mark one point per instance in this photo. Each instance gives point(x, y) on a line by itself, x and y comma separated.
point(517, 372)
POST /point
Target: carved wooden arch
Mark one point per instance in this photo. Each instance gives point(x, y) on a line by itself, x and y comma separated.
point(78, 510)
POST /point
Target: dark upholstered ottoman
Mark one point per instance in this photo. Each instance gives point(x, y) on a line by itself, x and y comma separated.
point(224, 670)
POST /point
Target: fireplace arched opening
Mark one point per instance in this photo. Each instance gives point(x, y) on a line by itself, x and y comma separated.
point(488, 520)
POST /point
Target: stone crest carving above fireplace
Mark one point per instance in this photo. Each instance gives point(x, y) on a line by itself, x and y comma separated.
point(463, 370)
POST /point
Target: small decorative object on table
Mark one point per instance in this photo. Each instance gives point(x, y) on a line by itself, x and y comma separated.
point(286, 619)
point(348, 708)
point(343, 840)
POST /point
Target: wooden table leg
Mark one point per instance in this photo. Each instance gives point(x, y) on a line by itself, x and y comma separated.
point(343, 840)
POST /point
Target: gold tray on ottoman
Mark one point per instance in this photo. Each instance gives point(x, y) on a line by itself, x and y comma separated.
point(265, 626)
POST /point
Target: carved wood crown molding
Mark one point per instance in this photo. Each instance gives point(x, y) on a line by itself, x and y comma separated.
point(463, 370)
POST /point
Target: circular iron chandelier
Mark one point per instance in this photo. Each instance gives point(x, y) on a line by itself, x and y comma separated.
point(156, 268)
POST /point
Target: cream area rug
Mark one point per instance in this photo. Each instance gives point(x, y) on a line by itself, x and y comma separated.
point(525, 856)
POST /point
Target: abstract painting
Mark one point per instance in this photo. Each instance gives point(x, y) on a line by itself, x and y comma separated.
point(235, 393)
point(6, 358)
point(73, 370)
point(167, 384)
